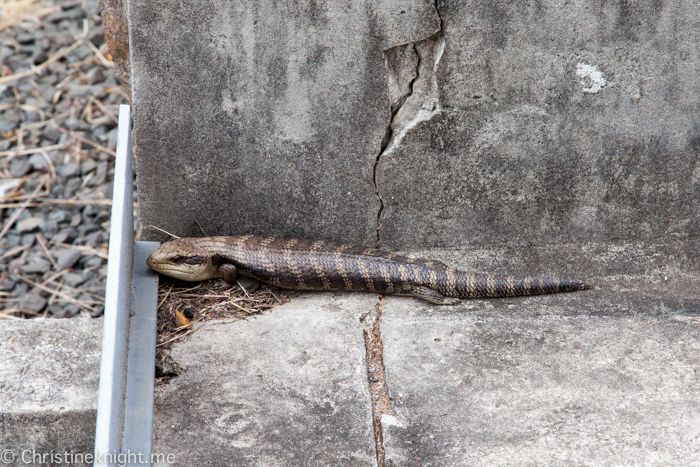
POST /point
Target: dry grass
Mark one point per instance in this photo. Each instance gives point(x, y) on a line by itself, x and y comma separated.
point(16, 11)
point(207, 301)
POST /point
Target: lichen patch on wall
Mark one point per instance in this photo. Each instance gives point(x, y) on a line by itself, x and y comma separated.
point(592, 77)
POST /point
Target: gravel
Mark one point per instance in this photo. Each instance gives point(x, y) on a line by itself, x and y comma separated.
point(67, 258)
point(72, 104)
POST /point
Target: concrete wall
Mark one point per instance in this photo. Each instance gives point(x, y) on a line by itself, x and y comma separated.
point(267, 117)
point(408, 124)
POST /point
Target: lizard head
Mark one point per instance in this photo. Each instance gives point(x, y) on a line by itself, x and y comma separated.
point(183, 259)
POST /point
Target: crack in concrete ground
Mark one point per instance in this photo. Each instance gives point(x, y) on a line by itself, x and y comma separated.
point(375, 375)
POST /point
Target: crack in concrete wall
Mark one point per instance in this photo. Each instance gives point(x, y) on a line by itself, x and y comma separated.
point(413, 94)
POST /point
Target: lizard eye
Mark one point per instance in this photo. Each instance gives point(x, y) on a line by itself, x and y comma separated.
point(179, 259)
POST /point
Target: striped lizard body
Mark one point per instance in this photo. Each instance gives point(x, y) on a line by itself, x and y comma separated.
point(321, 265)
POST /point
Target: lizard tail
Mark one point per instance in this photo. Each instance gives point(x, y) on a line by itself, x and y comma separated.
point(486, 286)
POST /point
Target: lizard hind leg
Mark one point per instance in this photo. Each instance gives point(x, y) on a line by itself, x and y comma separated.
point(230, 273)
point(432, 296)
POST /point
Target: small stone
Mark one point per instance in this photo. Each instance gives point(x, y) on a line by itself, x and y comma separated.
point(93, 261)
point(15, 266)
point(29, 224)
point(66, 235)
point(38, 162)
point(95, 286)
point(101, 217)
point(19, 166)
point(90, 210)
point(76, 220)
point(6, 125)
point(95, 76)
point(73, 310)
point(88, 166)
point(72, 279)
point(20, 289)
point(97, 179)
point(99, 311)
point(28, 239)
point(85, 229)
point(67, 258)
point(107, 190)
point(102, 272)
point(51, 133)
point(167, 366)
point(13, 239)
point(89, 275)
point(72, 186)
point(94, 239)
point(85, 298)
point(32, 302)
point(112, 139)
point(49, 227)
point(38, 266)
point(75, 124)
point(58, 312)
point(68, 170)
point(6, 284)
point(60, 215)
point(249, 284)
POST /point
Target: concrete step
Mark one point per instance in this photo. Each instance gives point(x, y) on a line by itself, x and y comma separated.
point(285, 388)
point(49, 374)
point(606, 376)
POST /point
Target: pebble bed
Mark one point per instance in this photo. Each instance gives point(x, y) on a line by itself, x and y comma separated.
point(58, 133)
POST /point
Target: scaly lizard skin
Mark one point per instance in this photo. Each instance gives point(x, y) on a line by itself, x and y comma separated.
point(320, 265)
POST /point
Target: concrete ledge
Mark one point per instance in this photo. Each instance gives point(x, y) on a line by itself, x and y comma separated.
point(285, 388)
point(601, 377)
point(49, 374)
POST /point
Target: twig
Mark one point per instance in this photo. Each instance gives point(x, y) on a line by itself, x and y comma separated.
point(86, 249)
point(64, 296)
point(241, 308)
point(36, 126)
point(42, 242)
point(14, 251)
point(56, 276)
point(6, 313)
point(19, 211)
point(194, 295)
point(25, 152)
point(176, 338)
point(106, 111)
point(164, 231)
point(166, 296)
point(187, 290)
point(201, 228)
point(59, 55)
point(84, 140)
point(98, 54)
point(80, 202)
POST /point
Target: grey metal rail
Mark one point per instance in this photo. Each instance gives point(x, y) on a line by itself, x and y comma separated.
point(124, 430)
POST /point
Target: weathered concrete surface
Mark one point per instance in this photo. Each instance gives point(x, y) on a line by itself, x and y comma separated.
point(285, 388)
point(607, 376)
point(264, 118)
point(49, 374)
point(561, 122)
point(116, 24)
